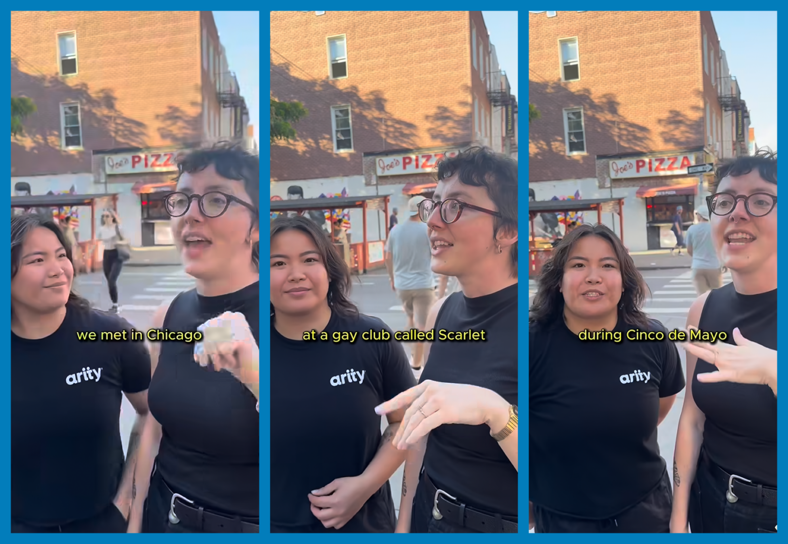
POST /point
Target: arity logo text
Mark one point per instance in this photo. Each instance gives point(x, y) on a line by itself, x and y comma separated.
point(350, 375)
point(87, 374)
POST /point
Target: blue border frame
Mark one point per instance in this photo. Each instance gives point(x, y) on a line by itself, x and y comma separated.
point(782, 51)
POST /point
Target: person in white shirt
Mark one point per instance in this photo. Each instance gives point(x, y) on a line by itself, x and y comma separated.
point(110, 235)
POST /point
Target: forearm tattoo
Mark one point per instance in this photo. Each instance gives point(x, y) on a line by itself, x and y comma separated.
point(388, 434)
point(676, 477)
point(404, 485)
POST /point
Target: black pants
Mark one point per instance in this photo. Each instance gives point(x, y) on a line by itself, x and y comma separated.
point(109, 520)
point(710, 511)
point(112, 267)
point(156, 510)
point(651, 515)
point(422, 520)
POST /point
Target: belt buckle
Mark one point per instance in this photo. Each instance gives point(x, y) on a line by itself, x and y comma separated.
point(172, 517)
point(732, 498)
point(436, 513)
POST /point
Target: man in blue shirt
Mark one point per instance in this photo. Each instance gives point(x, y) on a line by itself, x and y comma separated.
point(706, 270)
point(408, 263)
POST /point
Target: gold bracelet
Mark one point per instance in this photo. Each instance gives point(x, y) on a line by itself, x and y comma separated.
point(511, 425)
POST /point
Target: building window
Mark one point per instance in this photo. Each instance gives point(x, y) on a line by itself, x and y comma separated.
point(705, 53)
point(551, 13)
point(708, 123)
point(475, 117)
point(713, 71)
point(570, 60)
point(210, 59)
point(473, 43)
point(70, 123)
point(153, 206)
point(67, 50)
point(575, 131)
point(337, 57)
point(341, 128)
point(205, 49)
point(714, 124)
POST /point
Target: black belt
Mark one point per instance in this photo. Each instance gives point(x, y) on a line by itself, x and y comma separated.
point(739, 488)
point(456, 512)
point(198, 518)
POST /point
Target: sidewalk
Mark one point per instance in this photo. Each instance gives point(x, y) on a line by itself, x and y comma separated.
point(154, 256)
point(660, 259)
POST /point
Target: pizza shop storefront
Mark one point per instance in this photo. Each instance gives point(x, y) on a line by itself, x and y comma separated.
point(661, 184)
point(142, 180)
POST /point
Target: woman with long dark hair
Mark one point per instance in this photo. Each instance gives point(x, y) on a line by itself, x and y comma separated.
point(70, 366)
point(603, 376)
point(725, 464)
point(461, 422)
point(330, 367)
point(198, 470)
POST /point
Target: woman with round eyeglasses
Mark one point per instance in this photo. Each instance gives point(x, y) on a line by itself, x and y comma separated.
point(198, 467)
point(460, 426)
point(725, 464)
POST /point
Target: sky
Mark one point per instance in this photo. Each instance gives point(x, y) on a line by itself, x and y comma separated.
point(749, 39)
point(502, 26)
point(239, 32)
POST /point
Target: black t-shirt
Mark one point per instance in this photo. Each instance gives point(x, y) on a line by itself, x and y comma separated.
point(465, 460)
point(66, 450)
point(209, 450)
point(740, 433)
point(593, 413)
point(323, 420)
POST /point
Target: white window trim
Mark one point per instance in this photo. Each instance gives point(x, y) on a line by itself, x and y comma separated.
point(705, 52)
point(334, 129)
point(473, 45)
point(63, 126)
point(328, 56)
point(561, 58)
point(60, 58)
point(566, 132)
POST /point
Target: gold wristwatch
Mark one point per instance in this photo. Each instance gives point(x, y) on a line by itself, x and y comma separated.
point(511, 425)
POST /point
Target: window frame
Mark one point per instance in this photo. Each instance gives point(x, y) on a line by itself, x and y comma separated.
point(328, 55)
point(334, 128)
point(705, 52)
point(63, 145)
point(60, 56)
point(561, 58)
point(566, 131)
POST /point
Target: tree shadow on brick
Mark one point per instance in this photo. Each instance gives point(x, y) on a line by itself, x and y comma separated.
point(682, 131)
point(450, 125)
point(40, 151)
point(373, 127)
point(179, 127)
point(607, 131)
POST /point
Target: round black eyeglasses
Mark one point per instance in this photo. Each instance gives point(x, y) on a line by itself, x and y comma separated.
point(450, 210)
point(212, 204)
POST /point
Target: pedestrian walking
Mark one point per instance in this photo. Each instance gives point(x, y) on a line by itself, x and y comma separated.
point(461, 420)
point(67, 382)
point(198, 469)
point(678, 230)
point(410, 273)
point(393, 220)
point(116, 252)
point(706, 269)
point(598, 392)
point(71, 237)
point(725, 464)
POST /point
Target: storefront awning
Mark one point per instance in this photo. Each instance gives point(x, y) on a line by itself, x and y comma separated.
point(418, 188)
point(688, 187)
point(142, 187)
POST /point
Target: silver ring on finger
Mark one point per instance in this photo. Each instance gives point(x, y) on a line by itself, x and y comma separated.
point(422, 413)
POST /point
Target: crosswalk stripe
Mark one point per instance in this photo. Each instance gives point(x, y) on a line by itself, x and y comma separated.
point(152, 297)
point(137, 308)
point(674, 299)
point(681, 311)
point(689, 292)
point(164, 289)
point(396, 309)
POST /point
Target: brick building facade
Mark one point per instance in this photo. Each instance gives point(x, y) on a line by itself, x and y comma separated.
point(118, 96)
point(627, 101)
point(387, 93)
